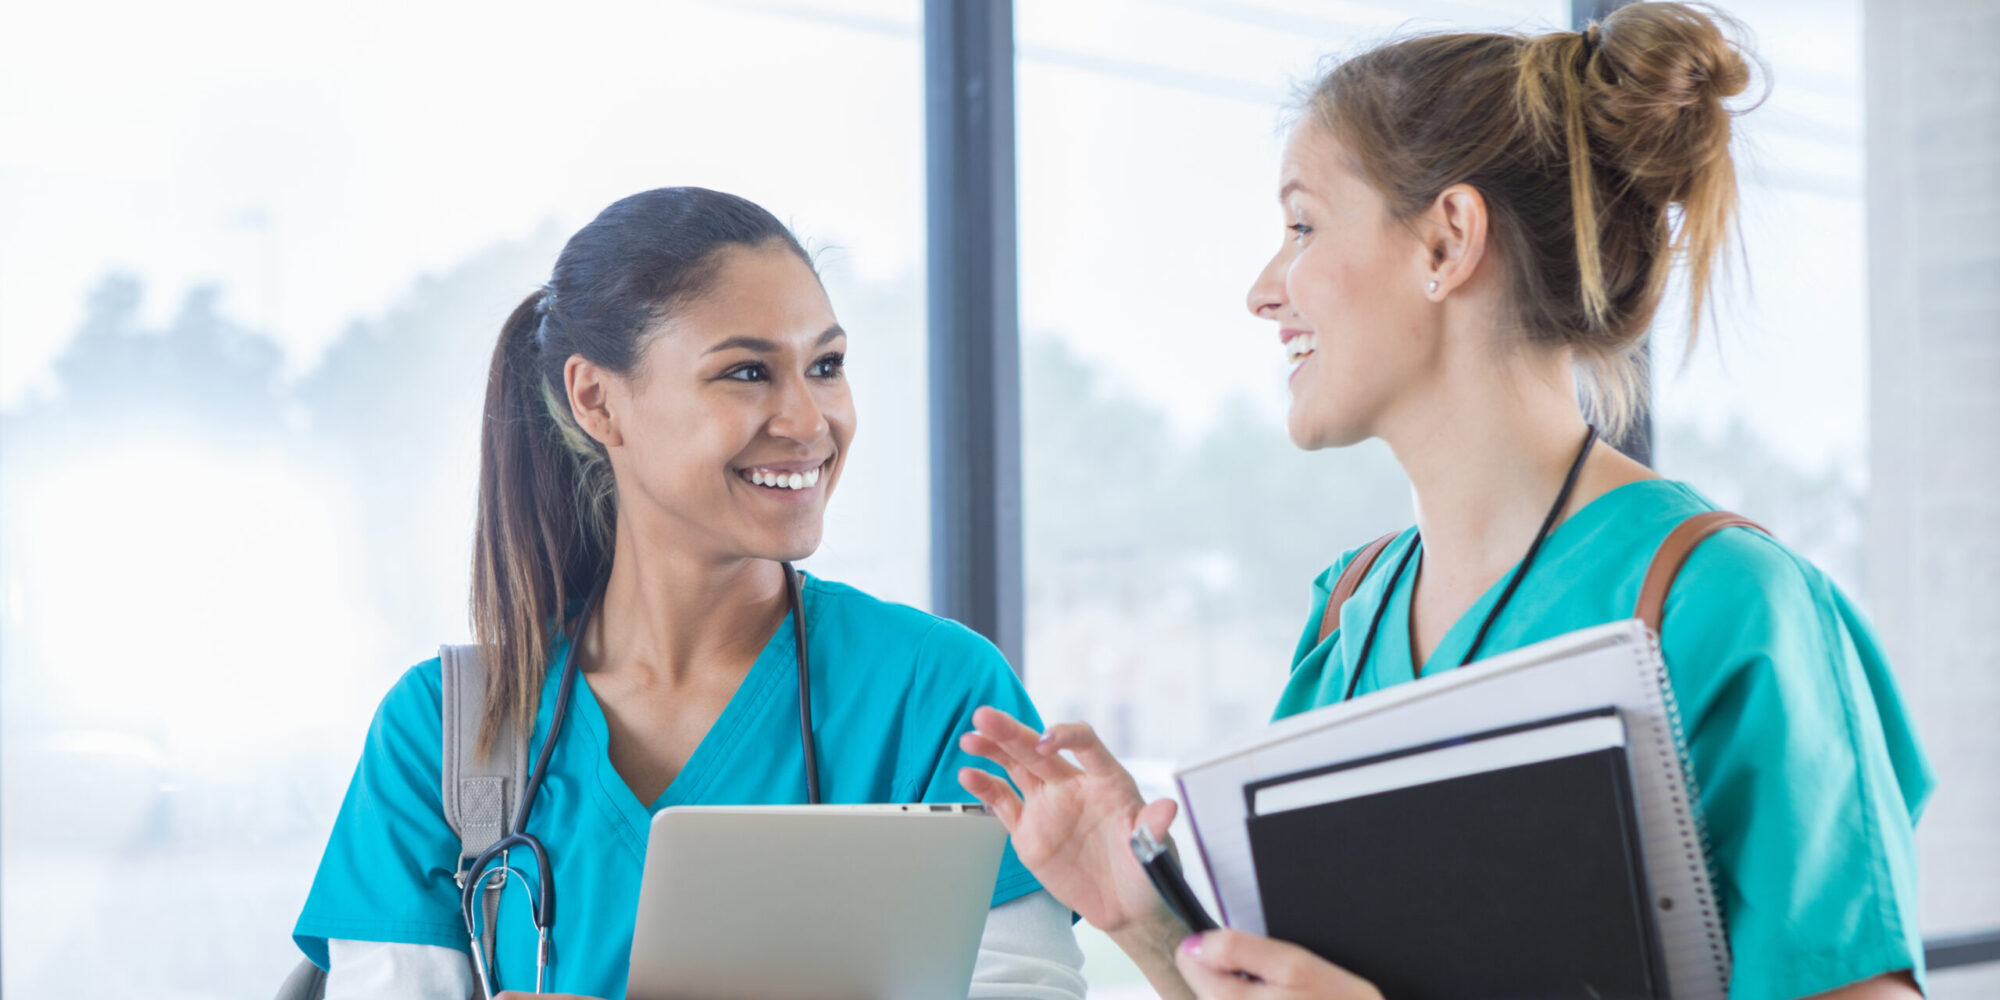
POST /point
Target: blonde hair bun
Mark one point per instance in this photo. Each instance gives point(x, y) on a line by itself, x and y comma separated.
point(1655, 82)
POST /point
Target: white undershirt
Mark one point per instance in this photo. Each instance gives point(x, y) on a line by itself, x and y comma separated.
point(1028, 952)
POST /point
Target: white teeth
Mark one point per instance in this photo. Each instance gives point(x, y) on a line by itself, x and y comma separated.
point(1300, 346)
point(784, 480)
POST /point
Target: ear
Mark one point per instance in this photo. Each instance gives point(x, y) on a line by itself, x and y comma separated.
point(590, 390)
point(1454, 242)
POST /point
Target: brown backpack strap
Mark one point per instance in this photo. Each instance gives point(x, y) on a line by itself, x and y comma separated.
point(1672, 553)
point(1350, 580)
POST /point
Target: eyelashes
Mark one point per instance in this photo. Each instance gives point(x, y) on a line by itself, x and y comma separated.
point(829, 366)
point(1299, 230)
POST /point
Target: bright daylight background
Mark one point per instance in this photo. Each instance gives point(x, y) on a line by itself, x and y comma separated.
point(253, 258)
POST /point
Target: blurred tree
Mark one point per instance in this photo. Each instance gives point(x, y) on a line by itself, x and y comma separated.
point(393, 408)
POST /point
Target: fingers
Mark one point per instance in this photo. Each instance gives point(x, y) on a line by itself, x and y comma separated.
point(980, 745)
point(1275, 968)
point(1210, 981)
point(1078, 738)
point(1235, 951)
point(996, 795)
point(998, 725)
point(1019, 741)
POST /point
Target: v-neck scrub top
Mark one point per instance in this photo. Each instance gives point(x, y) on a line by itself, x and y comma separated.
point(1807, 769)
point(892, 689)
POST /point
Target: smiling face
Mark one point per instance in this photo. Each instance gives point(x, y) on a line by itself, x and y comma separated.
point(1348, 291)
point(730, 434)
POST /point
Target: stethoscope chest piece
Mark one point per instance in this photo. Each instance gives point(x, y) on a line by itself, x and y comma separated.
point(482, 880)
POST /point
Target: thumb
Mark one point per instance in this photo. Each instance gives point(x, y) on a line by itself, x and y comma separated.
point(1231, 951)
point(1158, 815)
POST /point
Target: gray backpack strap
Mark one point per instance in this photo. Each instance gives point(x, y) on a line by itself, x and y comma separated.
point(480, 793)
point(306, 982)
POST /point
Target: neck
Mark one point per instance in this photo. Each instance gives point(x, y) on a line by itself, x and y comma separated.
point(1486, 451)
point(669, 613)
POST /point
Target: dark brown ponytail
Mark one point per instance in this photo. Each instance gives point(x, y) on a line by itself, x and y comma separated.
point(548, 504)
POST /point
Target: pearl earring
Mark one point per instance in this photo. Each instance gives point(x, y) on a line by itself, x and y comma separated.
point(1432, 289)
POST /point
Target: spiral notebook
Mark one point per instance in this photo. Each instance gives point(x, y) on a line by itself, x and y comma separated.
point(1616, 665)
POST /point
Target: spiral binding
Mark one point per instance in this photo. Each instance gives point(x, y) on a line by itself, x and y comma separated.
point(1711, 914)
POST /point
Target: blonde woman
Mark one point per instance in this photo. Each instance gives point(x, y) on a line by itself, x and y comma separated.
point(1471, 219)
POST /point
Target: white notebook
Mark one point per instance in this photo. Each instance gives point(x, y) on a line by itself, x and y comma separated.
point(1617, 664)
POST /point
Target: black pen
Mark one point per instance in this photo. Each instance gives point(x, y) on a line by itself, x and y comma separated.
point(1165, 872)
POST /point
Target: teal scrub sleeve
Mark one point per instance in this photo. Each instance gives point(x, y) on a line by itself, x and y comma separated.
point(384, 876)
point(957, 671)
point(1795, 737)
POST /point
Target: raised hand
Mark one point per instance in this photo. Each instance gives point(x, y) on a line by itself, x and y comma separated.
point(1072, 826)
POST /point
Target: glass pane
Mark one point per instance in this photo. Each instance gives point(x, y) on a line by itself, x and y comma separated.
point(253, 261)
point(1773, 419)
point(1768, 415)
point(1172, 530)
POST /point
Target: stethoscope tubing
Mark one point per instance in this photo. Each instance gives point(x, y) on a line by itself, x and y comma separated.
point(543, 904)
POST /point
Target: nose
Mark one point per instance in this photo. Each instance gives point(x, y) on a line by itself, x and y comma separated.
point(1267, 293)
point(798, 416)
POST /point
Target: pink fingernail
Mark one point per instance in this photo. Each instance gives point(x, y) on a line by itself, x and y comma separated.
point(1043, 743)
point(1191, 944)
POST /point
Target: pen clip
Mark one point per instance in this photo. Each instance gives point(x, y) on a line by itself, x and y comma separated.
point(1144, 846)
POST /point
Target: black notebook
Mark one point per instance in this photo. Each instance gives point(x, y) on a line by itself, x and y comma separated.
point(1502, 865)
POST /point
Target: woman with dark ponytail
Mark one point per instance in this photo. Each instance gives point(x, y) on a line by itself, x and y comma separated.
point(665, 420)
point(1480, 226)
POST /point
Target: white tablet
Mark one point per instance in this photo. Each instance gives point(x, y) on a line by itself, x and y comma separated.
point(868, 902)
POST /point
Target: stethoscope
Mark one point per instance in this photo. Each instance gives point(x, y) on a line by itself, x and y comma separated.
point(1513, 583)
point(542, 905)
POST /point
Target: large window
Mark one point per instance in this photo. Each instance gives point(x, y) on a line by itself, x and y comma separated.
point(252, 268)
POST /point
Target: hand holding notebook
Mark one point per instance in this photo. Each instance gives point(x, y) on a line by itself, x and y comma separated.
point(1374, 830)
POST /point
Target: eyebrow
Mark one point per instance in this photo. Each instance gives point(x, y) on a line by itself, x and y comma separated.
point(763, 346)
point(1291, 186)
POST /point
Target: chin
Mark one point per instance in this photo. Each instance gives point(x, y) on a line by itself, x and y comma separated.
point(1311, 431)
point(790, 546)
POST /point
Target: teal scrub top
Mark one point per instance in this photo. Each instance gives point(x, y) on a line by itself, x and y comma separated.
point(892, 689)
point(1807, 769)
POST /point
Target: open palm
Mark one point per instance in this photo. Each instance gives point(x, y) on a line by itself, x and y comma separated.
point(1071, 825)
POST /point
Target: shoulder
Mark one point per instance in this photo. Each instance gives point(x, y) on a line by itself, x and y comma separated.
point(895, 633)
point(408, 730)
point(1752, 626)
point(1744, 581)
point(416, 697)
point(831, 603)
point(917, 675)
point(1324, 584)
point(1328, 578)
point(419, 691)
